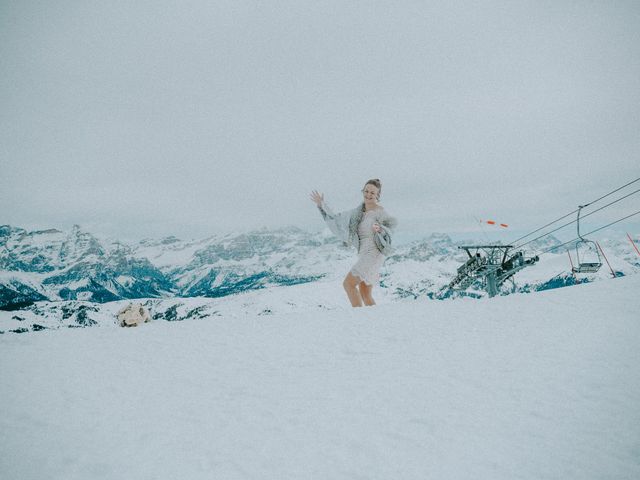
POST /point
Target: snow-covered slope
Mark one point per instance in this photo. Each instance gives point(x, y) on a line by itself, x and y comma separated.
point(529, 386)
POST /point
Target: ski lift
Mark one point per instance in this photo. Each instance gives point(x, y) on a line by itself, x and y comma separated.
point(586, 246)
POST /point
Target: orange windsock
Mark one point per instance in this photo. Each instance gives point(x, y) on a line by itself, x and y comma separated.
point(493, 222)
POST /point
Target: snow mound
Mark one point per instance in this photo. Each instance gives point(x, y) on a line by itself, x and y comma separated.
point(536, 386)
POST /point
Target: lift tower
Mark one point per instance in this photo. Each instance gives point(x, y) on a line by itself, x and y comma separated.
point(490, 264)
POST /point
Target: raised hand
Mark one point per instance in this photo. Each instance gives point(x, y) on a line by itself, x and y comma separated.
point(317, 197)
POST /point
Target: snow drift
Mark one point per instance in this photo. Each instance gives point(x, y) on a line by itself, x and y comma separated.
point(537, 386)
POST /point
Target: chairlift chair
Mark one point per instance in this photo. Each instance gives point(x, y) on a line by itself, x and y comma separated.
point(586, 246)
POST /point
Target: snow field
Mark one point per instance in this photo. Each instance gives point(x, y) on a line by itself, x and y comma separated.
point(538, 386)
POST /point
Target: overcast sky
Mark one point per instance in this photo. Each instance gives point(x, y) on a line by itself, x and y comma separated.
point(149, 118)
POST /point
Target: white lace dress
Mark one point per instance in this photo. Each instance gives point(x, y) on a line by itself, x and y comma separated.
point(370, 260)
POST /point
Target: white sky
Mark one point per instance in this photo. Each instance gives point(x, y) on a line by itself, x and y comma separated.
point(194, 117)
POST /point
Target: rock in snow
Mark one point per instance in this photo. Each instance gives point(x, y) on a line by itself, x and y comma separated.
point(133, 315)
point(537, 386)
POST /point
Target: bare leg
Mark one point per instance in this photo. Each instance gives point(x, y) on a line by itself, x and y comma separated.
point(365, 293)
point(350, 285)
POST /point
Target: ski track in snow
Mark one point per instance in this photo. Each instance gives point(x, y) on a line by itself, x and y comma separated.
point(538, 386)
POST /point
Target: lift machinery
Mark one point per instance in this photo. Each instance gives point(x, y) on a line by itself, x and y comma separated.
point(491, 265)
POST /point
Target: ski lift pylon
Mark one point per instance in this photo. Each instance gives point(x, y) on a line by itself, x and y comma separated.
point(586, 246)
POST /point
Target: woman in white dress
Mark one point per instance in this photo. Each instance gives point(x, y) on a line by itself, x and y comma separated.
point(368, 227)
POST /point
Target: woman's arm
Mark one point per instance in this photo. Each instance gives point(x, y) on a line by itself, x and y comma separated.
point(384, 232)
point(338, 223)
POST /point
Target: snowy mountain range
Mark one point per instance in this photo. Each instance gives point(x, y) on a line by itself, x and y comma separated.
point(78, 270)
point(76, 265)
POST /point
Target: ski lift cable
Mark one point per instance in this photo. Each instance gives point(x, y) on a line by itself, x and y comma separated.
point(612, 192)
point(571, 213)
point(541, 228)
point(574, 221)
point(592, 231)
